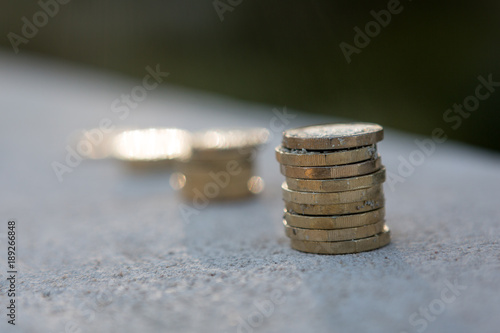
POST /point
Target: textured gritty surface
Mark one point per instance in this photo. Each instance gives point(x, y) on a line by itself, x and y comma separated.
point(108, 250)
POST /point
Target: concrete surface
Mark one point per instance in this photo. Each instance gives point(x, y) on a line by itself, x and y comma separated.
point(107, 249)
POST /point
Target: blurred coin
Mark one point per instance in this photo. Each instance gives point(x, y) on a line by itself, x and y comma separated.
point(332, 172)
point(334, 221)
point(195, 166)
point(344, 247)
point(149, 165)
point(153, 144)
point(212, 191)
point(337, 185)
point(334, 235)
point(330, 198)
point(222, 178)
point(333, 136)
point(302, 157)
point(218, 185)
point(338, 209)
point(228, 143)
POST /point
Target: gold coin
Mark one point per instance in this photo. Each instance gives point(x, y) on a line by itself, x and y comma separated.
point(222, 196)
point(337, 185)
point(225, 144)
point(344, 247)
point(334, 235)
point(332, 172)
point(148, 166)
point(224, 155)
point(334, 221)
point(339, 209)
point(218, 175)
point(333, 136)
point(221, 180)
point(303, 157)
point(202, 180)
point(212, 191)
point(232, 165)
point(236, 181)
point(326, 198)
point(207, 182)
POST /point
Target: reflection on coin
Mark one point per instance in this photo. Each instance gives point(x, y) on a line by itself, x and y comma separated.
point(330, 198)
point(153, 144)
point(334, 221)
point(227, 144)
point(337, 185)
point(334, 235)
point(302, 157)
point(332, 172)
point(344, 247)
point(333, 136)
point(339, 209)
point(256, 184)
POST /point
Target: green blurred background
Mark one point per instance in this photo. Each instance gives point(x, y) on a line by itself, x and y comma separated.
point(287, 53)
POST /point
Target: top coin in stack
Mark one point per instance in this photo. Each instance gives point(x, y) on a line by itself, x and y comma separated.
point(333, 136)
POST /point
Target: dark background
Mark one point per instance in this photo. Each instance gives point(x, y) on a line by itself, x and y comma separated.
point(287, 53)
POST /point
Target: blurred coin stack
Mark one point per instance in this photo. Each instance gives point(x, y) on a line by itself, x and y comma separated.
point(213, 164)
point(221, 165)
point(333, 191)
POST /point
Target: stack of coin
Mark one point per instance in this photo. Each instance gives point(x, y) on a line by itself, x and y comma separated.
point(221, 165)
point(333, 190)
